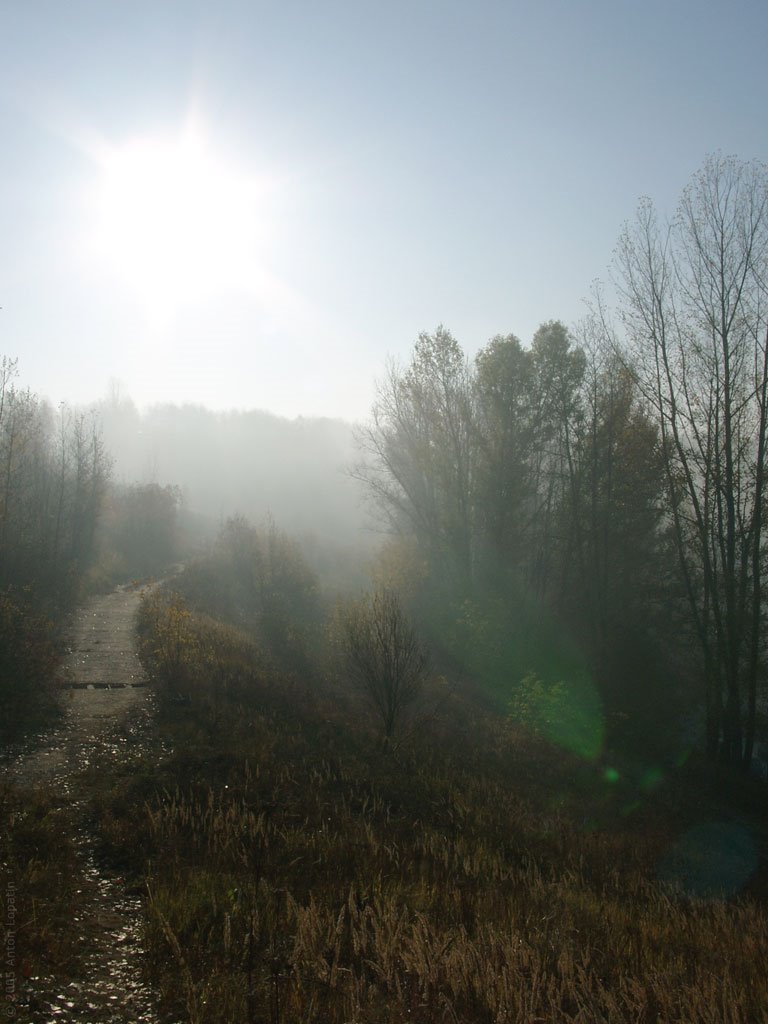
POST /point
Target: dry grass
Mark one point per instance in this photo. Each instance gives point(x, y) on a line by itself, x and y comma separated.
point(38, 897)
point(295, 874)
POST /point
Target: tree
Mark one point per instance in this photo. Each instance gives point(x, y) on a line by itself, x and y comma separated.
point(558, 372)
point(52, 483)
point(616, 574)
point(503, 482)
point(384, 656)
point(144, 530)
point(418, 453)
point(257, 579)
point(694, 305)
point(53, 477)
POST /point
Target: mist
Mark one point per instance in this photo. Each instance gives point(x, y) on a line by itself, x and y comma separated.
point(253, 464)
point(388, 641)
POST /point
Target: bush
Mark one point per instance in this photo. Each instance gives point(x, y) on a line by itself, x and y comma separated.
point(28, 661)
point(384, 656)
point(567, 714)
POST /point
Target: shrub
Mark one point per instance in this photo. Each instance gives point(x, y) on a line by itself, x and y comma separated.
point(27, 665)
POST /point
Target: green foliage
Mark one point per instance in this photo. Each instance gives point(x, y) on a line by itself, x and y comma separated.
point(569, 715)
point(537, 706)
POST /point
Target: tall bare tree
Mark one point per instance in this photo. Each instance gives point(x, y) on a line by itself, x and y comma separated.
point(695, 305)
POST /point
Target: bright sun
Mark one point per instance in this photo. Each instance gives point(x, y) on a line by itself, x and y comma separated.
point(176, 224)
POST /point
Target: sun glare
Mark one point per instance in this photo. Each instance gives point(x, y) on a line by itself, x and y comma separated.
point(176, 224)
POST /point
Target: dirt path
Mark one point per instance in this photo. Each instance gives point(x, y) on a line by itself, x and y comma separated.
point(108, 716)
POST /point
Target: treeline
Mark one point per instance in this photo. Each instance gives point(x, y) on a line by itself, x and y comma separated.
point(66, 527)
point(527, 491)
point(53, 478)
point(578, 524)
point(249, 462)
point(66, 531)
point(590, 508)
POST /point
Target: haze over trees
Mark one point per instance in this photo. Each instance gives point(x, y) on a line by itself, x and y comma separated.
point(530, 480)
point(249, 463)
point(53, 479)
point(694, 306)
point(585, 513)
point(606, 488)
point(571, 580)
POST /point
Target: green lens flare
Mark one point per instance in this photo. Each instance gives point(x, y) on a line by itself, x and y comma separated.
point(568, 713)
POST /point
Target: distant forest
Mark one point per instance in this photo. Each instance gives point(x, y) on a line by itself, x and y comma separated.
point(576, 525)
point(253, 463)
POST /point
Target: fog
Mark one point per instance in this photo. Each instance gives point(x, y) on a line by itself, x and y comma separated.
point(249, 463)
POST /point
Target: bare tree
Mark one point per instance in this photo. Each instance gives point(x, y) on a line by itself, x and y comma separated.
point(695, 300)
point(384, 656)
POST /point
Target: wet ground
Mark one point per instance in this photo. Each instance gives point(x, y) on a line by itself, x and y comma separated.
point(109, 714)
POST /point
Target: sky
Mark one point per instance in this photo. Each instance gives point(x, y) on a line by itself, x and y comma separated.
point(254, 205)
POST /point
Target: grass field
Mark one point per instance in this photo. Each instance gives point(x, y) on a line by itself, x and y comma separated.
point(296, 871)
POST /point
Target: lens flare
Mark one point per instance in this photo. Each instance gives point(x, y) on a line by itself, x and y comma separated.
point(713, 860)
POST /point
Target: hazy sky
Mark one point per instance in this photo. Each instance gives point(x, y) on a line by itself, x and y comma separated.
point(252, 204)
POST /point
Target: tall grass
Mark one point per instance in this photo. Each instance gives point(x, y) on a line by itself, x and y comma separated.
point(38, 885)
point(297, 873)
